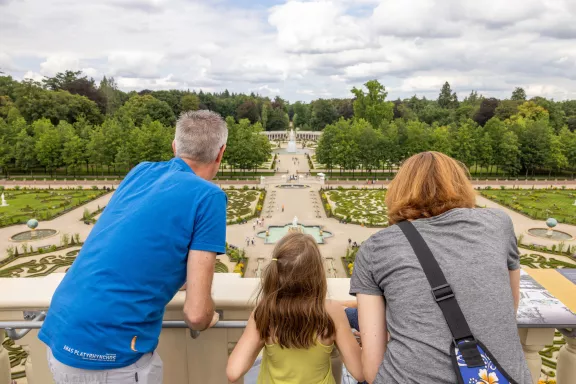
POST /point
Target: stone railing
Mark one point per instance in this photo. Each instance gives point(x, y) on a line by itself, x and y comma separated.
point(203, 359)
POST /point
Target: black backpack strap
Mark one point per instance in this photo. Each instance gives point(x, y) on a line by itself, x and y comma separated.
point(444, 296)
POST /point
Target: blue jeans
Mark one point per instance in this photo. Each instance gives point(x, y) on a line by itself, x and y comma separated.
point(352, 315)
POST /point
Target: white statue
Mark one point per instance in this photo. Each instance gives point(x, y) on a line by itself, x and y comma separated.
point(574, 202)
point(295, 221)
point(4, 203)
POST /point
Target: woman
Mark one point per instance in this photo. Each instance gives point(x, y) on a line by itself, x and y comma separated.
point(476, 249)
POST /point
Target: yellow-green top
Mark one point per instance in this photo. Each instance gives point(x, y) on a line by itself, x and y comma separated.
point(296, 366)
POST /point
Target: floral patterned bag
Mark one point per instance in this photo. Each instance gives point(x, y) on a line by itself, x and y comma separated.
point(471, 360)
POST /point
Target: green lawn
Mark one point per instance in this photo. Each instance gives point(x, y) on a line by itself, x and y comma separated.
point(42, 204)
point(359, 206)
point(241, 203)
point(538, 204)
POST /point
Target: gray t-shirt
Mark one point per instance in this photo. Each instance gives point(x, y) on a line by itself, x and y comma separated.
point(475, 249)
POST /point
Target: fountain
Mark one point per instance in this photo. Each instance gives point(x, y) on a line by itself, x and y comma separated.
point(295, 227)
point(33, 233)
point(4, 203)
point(275, 233)
point(550, 233)
point(291, 142)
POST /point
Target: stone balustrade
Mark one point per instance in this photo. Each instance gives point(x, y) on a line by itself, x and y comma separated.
point(300, 135)
point(203, 360)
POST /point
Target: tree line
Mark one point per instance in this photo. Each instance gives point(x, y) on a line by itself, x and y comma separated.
point(70, 121)
point(67, 121)
point(514, 136)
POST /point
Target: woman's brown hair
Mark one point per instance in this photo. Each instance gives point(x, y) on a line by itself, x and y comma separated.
point(428, 184)
point(291, 302)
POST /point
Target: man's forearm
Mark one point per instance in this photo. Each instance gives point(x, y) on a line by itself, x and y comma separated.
point(199, 320)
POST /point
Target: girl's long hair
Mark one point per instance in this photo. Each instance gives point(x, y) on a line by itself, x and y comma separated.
point(291, 302)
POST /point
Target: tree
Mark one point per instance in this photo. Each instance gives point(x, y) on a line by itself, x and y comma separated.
point(248, 110)
point(369, 141)
point(264, 114)
point(76, 84)
point(301, 117)
point(518, 94)
point(325, 150)
point(418, 137)
point(277, 120)
point(507, 109)
point(441, 140)
point(73, 152)
point(190, 102)
point(113, 97)
point(555, 159)
point(138, 107)
point(49, 149)
point(372, 106)
point(509, 154)
point(347, 152)
point(246, 148)
point(463, 144)
point(483, 150)
point(25, 150)
point(322, 114)
point(486, 111)
point(447, 99)
point(534, 142)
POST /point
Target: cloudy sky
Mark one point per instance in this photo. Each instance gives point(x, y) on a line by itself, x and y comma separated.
point(301, 50)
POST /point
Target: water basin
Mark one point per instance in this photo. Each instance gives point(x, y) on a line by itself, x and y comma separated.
point(552, 234)
point(36, 234)
point(275, 233)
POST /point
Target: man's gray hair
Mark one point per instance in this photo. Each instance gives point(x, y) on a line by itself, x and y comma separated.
point(200, 135)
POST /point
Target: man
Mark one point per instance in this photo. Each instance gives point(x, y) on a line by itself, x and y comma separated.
point(163, 227)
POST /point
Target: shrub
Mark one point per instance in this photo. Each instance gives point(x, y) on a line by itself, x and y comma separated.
point(95, 187)
point(245, 188)
point(16, 187)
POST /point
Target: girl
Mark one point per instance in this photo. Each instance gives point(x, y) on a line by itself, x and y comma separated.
point(294, 323)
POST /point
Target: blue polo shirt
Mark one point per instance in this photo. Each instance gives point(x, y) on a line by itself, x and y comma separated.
point(108, 310)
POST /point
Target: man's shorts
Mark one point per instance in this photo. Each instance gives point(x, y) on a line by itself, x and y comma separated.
point(147, 370)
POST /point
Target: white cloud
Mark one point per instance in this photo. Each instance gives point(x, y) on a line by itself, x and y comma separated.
point(33, 76)
point(135, 64)
point(299, 49)
point(316, 27)
point(59, 63)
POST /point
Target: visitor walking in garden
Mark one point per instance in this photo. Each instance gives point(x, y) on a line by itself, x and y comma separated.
point(476, 250)
point(294, 323)
point(164, 226)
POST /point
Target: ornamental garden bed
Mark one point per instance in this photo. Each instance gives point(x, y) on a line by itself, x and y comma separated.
point(43, 204)
point(356, 206)
point(244, 204)
point(538, 204)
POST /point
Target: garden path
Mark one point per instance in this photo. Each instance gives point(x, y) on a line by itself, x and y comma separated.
point(523, 223)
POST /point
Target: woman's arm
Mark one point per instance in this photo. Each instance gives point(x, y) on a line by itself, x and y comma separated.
point(245, 353)
point(372, 320)
point(345, 340)
point(349, 303)
point(515, 286)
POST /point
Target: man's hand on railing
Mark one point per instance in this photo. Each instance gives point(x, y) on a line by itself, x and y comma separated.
point(215, 318)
